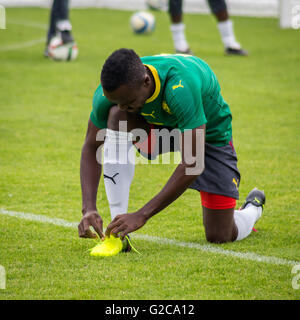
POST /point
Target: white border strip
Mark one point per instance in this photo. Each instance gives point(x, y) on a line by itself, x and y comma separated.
point(206, 248)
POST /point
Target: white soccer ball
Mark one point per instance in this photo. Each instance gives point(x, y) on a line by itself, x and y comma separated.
point(157, 4)
point(59, 51)
point(142, 22)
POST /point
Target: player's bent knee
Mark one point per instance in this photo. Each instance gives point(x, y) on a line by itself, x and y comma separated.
point(219, 234)
point(114, 117)
point(218, 238)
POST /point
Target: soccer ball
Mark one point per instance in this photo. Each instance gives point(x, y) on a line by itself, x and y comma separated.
point(59, 51)
point(142, 22)
point(157, 4)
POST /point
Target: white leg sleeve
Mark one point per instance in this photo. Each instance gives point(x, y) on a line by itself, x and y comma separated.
point(118, 170)
point(245, 220)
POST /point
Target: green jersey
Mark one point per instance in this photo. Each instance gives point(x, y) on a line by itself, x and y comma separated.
point(186, 96)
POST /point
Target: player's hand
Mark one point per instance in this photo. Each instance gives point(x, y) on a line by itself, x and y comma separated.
point(91, 219)
point(125, 223)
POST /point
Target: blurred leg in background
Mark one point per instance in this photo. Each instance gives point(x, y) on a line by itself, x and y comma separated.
point(225, 26)
point(60, 24)
point(177, 27)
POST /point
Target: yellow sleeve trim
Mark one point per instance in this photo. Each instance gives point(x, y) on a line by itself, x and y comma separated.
point(157, 83)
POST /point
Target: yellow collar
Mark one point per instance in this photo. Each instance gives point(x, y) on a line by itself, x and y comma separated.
point(157, 83)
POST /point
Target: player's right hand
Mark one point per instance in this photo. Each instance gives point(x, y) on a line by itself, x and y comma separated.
point(91, 219)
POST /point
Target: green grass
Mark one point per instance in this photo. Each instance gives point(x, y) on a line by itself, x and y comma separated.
point(44, 112)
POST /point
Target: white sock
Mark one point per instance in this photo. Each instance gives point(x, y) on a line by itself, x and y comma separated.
point(64, 25)
point(178, 35)
point(245, 220)
point(227, 34)
point(118, 170)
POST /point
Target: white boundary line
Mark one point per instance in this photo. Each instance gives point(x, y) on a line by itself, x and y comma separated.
point(206, 248)
point(17, 46)
point(31, 24)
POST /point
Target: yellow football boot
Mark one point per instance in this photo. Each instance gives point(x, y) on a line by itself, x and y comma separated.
point(108, 247)
point(112, 246)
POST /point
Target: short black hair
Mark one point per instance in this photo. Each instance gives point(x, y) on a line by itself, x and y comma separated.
point(123, 66)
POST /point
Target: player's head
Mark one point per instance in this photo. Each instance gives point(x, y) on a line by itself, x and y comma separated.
point(125, 80)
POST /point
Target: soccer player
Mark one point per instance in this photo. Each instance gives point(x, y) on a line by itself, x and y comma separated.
point(59, 23)
point(156, 93)
point(225, 26)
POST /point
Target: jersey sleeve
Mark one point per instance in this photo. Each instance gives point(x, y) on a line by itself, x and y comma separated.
point(185, 105)
point(101, 106)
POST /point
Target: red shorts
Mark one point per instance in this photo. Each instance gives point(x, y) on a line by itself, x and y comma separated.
point(215, 201)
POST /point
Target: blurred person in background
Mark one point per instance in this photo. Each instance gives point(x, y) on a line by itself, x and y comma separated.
point(59, 25)
point(225, 26)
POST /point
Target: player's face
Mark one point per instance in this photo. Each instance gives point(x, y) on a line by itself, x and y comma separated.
point(130, 98)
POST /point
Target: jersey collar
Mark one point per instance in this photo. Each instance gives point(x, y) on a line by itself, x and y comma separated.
point(157, 83)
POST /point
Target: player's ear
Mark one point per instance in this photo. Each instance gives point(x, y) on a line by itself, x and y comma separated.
point(147, 80)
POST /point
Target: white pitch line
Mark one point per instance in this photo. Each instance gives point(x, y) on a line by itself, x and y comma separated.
point(206, 248)
point(30, 24)
point(27, 44)
point(213, 249)
point(17, 46)
point(39, 218)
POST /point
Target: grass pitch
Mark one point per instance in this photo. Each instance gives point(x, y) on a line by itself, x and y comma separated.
point(44, 109)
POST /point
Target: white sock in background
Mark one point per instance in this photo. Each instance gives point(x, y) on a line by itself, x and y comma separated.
point(227, 34)
point(118, 170)
point(245, 220)
point(178, 35)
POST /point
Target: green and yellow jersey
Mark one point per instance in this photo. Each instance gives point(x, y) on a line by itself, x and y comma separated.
point(186, 96)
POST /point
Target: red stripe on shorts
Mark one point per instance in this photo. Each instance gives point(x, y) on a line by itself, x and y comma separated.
point(216, 201)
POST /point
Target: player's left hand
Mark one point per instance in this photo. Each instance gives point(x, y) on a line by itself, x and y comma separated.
point(125, 223)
